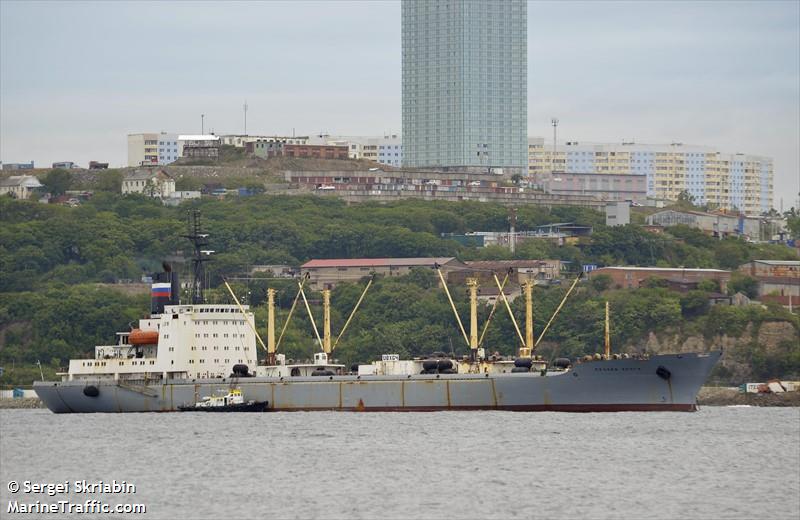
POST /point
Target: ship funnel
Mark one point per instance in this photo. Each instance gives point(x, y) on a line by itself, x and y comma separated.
point(165, 290)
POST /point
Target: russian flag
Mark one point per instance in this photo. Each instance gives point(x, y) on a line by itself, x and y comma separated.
point(161, 290)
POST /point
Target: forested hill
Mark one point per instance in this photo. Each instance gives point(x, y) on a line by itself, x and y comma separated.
point(51, 258)
point(111, 237)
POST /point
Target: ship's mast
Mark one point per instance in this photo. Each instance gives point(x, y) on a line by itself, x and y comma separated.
point(199, 240)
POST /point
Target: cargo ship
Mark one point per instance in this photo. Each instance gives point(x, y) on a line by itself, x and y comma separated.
point(183, 354)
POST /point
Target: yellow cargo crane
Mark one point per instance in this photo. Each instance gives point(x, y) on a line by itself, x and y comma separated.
point(325, 339)
point(474, 342)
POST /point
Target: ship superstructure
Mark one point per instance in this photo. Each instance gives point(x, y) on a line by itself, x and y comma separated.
point(185, 341)
point(176, 341)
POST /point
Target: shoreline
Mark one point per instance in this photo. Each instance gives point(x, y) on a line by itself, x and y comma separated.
point(708, 396)
point(727, 396)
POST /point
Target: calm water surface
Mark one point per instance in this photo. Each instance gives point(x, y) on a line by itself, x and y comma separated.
point(717, 463)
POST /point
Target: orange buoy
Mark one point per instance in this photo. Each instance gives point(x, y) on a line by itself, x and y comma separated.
point(143, 337)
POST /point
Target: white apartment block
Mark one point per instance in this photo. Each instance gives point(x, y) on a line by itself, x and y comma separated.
point(153, 149)
point(386, 149)
point(733, 181)
point(170, 148)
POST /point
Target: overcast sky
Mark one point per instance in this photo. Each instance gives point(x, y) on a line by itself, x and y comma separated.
point(76, 77)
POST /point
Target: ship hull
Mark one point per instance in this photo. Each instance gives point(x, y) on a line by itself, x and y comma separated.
point(600, 386)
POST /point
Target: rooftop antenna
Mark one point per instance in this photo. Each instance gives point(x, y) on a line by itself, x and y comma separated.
point(245, 117)
point(554, 122)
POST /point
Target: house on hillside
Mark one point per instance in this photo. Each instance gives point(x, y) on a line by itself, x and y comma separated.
point(722, 224)
point(541, 272)
point(678, 279)
point(778, 280)
point(330, 272)
point(20, 186)
point(152, 183)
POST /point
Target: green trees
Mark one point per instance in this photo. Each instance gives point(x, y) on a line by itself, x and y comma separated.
point(109, 181)
point(57, 182)
point(694, 303)
point(601, 282)
point(743, 284)
point(731, 253)
point(793, 223)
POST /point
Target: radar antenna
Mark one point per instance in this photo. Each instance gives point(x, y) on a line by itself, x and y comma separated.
point(199, 240)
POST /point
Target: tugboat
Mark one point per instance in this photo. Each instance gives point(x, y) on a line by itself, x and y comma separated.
point(233, 401)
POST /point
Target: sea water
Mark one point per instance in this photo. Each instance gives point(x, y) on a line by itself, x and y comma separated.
point(717, 463)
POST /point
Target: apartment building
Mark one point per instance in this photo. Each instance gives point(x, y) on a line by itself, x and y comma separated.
point(464, 84)
point(724, 180)
point(315, 151)
point(200, 146)
point(153, 149)
point(386, 149)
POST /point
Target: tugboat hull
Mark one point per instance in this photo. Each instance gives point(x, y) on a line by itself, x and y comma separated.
point(257, 406)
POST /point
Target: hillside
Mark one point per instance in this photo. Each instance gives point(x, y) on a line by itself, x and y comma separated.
point(234, 169)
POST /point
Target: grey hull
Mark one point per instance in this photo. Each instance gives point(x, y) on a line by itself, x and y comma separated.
point(614, 385)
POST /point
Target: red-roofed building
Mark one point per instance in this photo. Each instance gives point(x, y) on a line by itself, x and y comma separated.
point(679, 279)
point(330, 272)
